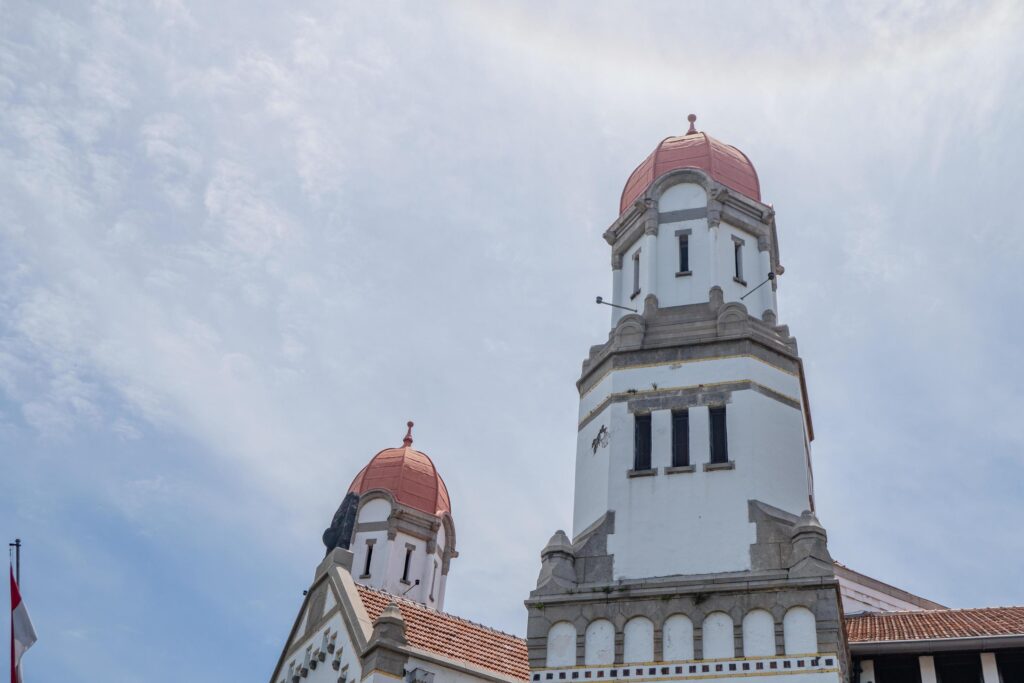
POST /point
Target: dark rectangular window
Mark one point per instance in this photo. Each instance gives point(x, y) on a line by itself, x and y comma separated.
point(408, 561)
point(958, 668)
point(1011, 664)
point(369, 557)
point(737, 254)
point(684, 253)
point(642, 442)
point(636, 274)
point(719, 441)
point(897, 669)
point(680, 438)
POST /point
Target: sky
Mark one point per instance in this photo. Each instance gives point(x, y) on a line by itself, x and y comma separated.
point(242, 243)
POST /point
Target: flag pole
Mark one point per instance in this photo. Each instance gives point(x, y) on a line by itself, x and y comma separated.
point(17, 559)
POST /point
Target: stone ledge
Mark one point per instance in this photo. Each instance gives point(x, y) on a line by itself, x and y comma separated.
point(679, 469)
point(684, 273)
point(713, 466)
point(641, 473)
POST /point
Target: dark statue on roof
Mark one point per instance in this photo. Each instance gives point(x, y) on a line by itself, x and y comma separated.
point(339, 534)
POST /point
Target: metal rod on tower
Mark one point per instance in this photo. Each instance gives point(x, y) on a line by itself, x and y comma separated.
point(771, 276)
point(601, 300)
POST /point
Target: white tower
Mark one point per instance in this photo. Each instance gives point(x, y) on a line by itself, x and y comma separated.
point(693, 475)
point(396, 520)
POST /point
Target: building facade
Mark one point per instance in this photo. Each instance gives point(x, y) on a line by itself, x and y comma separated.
point(695, 552)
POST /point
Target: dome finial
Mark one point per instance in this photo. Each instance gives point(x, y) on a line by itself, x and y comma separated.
point(692, 118)
point(407, 441)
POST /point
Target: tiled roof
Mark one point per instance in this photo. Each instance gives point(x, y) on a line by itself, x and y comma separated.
point(935, 624)
point(453, 637)
point(723, 162)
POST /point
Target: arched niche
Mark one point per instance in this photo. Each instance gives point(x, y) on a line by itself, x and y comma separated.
point(561, 645)
point(800, 631)
point(758, 634)
point(599, 643)
point(677, 638)
point(638, 641)
point(719, 641)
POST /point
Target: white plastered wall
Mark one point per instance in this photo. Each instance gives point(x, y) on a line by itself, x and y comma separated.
point(599, 643)
point(677, 638)
point(692, 522)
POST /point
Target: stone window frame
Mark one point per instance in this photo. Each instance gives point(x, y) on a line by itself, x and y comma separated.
point(737, 258)
point(683, 237)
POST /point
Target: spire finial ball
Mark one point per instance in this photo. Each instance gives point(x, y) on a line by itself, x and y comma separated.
point(692, 118)
point(407, 441)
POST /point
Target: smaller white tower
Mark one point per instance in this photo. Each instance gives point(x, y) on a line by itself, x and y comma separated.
point(396, 520)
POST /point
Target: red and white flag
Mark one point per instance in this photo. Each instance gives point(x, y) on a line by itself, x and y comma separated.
point(22, 633)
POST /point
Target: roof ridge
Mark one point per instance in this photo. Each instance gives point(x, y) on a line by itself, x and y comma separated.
point(420, 606)
point(930, 611)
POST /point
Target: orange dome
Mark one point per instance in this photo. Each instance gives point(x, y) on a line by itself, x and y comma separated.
point(724, 163)
point(409, 475)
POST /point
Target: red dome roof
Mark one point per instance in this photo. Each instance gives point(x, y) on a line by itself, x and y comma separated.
point(409, 475)
point(722, 162)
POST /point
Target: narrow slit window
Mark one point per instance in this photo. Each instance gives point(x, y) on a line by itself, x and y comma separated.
point(433, 580)
point(636, 274)
point(408, 561)
point(719, 442)
point(684, 253)
point(642, 442)
point(737, 255)
point(369, 558)
point(680, 438)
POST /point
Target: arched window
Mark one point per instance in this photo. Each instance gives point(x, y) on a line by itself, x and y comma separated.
point(638, 641)
point(718, 638)
point(800, 632)
point(599, 643)
point(562, 645)
point(758, 634)
point(677, 638)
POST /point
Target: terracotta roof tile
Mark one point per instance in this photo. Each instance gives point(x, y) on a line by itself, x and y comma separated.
point(935, 624)
point(453, 637)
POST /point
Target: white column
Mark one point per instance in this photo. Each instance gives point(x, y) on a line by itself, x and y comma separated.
point(764, 263)
point(989, 669)
point(649, 268)
point(661, 438)
point(617, 296)
point(867, 671)
point(927, 664)
point(713, 254)
point(700, 435)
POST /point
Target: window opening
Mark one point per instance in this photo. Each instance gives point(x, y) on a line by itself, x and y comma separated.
point(642, 442)
point(636, 274)
point(684, 253)
point(719, 442)
point(369, 558)
point(680, 438)
point(408, 561)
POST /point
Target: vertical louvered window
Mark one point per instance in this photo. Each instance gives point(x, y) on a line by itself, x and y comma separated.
point(636, 274)
point(408, 561)
point(642, 442)
point(369, 558)
point(719, 441)
point(680, 438)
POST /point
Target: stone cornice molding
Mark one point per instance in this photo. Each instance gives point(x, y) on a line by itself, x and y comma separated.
point(724, 204)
